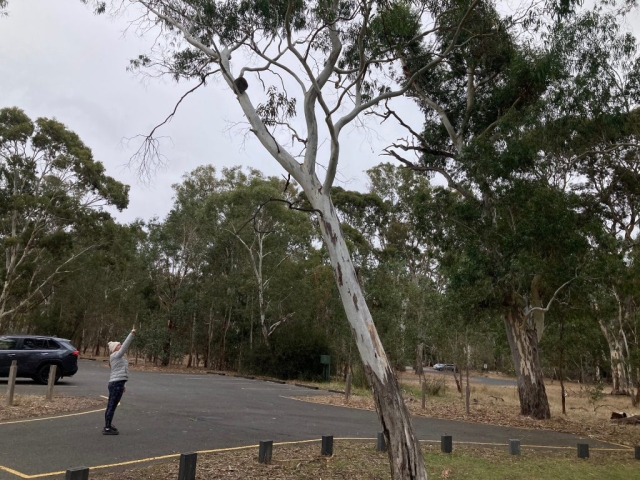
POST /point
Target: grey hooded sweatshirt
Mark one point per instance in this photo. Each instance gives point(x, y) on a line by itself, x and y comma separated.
point(119, 363)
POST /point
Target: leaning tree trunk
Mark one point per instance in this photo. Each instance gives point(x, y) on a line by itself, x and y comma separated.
point(523, 340)
point(405, 455)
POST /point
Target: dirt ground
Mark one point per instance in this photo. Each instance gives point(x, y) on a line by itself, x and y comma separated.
point(497, 405)
point(360, 461)
point(28, 406)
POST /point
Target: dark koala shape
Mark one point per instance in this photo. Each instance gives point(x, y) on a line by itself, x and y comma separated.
point(241, 85)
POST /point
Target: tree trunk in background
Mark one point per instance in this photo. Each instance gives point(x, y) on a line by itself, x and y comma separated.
point(405, 455)
point(223, 340)
point(562, 392)
point(467, 397)
point(418, 368)
point(193, 336)
point(616, 357)
point(523, 341)
point(455, 372)
point(166, 349)
point(96, 352)
point(207, 360)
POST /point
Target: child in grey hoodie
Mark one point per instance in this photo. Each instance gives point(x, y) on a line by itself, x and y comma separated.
point(119, 376)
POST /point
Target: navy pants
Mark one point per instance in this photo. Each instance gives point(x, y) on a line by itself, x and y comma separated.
point(116, 389)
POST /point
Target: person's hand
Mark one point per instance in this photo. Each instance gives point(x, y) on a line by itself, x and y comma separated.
point(133, 331)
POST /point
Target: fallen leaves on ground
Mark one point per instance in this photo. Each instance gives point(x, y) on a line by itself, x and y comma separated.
point(496, 412)
point(360, 461)
point(28, 406)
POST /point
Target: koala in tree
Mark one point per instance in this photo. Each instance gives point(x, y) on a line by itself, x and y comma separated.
point(241, 85)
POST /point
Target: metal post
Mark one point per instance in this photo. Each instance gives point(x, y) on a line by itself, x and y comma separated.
point(78, 473)
point(327, 446)
point(52, 381)
point(446, 443)
point(514, 447)
point(265, 451)
point(583, 450)
point(382, 444)
point(638, 452)
point(347, 387)
point(188, 466)
point(11, 385)
point(424, 395)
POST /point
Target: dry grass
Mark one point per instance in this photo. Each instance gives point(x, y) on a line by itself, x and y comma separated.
point(28, 406)
point(500, 406)
point(360, 461)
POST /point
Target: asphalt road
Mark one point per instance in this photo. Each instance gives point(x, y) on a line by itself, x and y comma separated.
point(163, 414)
point(498, 382)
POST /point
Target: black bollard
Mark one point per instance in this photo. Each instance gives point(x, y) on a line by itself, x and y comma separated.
point(327, 446)
point(382, 444)
point(446, 443)
point(265, 451)
point(514, 447)
point(188, 466)
point(583, 450)
point(78, 473)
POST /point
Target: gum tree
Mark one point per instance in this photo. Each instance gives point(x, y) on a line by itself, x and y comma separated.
point(51, 188)
point(328, 62)
point(500, 117)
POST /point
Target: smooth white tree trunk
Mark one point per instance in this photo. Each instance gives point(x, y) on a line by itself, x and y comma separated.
point(404, 450)
point(619, 379)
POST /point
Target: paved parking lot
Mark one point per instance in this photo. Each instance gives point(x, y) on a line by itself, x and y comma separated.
point(163, 414)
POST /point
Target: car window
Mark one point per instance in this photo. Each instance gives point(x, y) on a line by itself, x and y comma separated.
point(8, 343)
point(39, 344)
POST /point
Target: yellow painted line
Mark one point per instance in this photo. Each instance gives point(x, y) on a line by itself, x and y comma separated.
point(43, 474)
point(121, 464)
point(246, 447)
point(39, 419)
point(602, 449)
point(13, 472)
point(625, 447)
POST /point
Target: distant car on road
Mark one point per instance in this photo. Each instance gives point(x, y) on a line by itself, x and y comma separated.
point(444, 366)
point(36, 354)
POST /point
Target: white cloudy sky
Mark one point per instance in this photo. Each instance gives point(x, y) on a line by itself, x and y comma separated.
point(59, 60)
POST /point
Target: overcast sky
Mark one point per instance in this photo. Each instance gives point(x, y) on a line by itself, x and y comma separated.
point(59, 60)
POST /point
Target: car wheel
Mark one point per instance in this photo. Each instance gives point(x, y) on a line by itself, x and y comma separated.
point(42, 375)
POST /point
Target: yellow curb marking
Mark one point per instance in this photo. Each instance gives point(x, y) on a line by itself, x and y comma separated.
point(13, 472)
point(230, 449)
point(39, 419)
point(419, 415)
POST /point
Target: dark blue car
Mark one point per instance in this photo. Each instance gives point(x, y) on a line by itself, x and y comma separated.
point(36, 354)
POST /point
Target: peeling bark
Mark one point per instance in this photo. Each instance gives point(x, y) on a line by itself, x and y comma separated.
point(619, 379)
point(523, 341)
point(404, 451)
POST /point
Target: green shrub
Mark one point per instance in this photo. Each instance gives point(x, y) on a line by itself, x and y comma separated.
point(294, 353)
